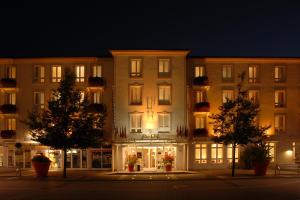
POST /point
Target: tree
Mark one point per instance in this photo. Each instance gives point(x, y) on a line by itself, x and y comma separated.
point(68, 122)
point(236, 123)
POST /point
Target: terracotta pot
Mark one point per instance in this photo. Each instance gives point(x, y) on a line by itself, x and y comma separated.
point(41, 169)
point(168, 168)
point(260, 168)
point(130, 168)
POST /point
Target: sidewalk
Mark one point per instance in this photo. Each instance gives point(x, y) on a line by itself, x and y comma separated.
point(97, 175)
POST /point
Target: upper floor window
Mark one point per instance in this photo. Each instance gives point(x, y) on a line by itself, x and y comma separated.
point(200, 122)
point(10, 98)
point(39, 100)
point(253, 96)
point(135, 94)
point(10, 72)
point(216, 153)
point(279, 98)
point(280, 123)
point(136, 122)
point(11, 124)
point(199, 71)
point(164, 122)
point(227, 74)
point(279, 73)
point(227, 95)
point(201, 96)
point(97, 97)
point(79, 73)
point(97, 71)
point(200, 153)
point(39, 74)
point(230, 153)
point(164, 68)
point(136, 67)
point(272, 150)
point(56, 73)
point(164, 94)
point(253, 74)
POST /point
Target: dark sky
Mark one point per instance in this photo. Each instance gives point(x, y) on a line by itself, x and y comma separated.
point(207, 29)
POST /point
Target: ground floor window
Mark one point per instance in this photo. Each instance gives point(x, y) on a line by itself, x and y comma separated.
point(272, 150)
point(201, 153)
point(217, 153)
point(230, 153)
point(76, 158)
point(101, 158)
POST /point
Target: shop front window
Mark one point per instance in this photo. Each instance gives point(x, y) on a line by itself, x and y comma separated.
point(101, 158)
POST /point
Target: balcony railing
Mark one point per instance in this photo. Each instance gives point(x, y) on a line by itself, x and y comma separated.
point(202, 107)
point(96, 108)
point(200, 132)
point(8, 134)
point(8, 82)
point(201, 81)
point(96, 82)
point(8, 108)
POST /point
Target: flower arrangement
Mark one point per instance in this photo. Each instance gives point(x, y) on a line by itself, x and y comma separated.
point(168, 159)
point(41, 158)
point(132, 159)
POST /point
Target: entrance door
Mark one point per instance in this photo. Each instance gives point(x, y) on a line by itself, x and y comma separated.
point(149, 158)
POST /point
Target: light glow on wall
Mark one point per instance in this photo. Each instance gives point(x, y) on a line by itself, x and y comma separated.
point(289, 152)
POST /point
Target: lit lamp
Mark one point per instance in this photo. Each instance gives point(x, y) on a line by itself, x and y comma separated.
point(289, 152)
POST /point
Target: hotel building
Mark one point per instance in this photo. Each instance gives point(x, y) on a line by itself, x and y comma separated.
point(158, 102)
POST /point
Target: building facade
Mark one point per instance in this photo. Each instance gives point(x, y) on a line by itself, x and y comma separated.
point(158, 102)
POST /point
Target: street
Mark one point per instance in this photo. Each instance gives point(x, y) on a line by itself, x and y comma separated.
point(242, 188)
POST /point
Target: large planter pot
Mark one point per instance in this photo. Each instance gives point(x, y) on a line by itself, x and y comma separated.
point(41, 168)
point(260, 168)
point(130, 168)
point(168, 168)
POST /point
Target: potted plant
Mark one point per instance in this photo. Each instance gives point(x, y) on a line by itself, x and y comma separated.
point(260, 156)
point(132, 159)
point(168, 161)
point(41, 165)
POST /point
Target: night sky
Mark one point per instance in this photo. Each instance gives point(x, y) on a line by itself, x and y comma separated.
point(207, 29)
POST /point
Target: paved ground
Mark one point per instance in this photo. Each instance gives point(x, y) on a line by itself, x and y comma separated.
point(205, 184)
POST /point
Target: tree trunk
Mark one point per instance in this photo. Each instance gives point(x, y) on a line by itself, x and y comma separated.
point(233, 159)
point(65, 163)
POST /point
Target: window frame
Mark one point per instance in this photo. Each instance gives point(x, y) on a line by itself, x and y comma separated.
point(227, 90)
point(165, 129)
point(278, 130)
point(78, 72)
point(39, 105)
point(203, 71)
point(217, 159)
point(164, 101)
point(283, 73)
point(164, 74)
point(277, 103)
point(138, 103)
point(136, 129)
point(56, 79)
point(255, 73)
point(227, 79)
point(37, 78)
point(202, 155)
point(135, 74)
point(95, 71)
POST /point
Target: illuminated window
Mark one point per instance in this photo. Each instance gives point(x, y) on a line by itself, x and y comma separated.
point(199, 71)
point(279, 73)
point(253, 74)
point(10, 98)
point(81, 96)
point(253, 96)
point(201, 153)
point(164, 122)
point(39, 74)
point(39, 100)
point(279, 123)
point(227, 72)
point(271, 150)
point(200, 121)
point(227, 95)
point(135, 94)
point(279, 98)
point(97, 71)
point(217, 153)
point(230, 153)
point(10, 72)
point(11, 124)
point(97, 97)
point(136, 67)
point(56, 73)
point(164, 68)
point(201, 96)
point(79, 73)
point(135, 122)
point(164, 94)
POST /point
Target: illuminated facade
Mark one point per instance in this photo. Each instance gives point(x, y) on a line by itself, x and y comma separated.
point(158, 103)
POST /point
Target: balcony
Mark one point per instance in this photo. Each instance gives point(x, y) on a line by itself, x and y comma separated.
point(200, 82)
point(200, 132)
point(201, 107)
point(96, 108)
point(96, 82)
point(8, 109)
point(8, 134)
point(8, 83)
